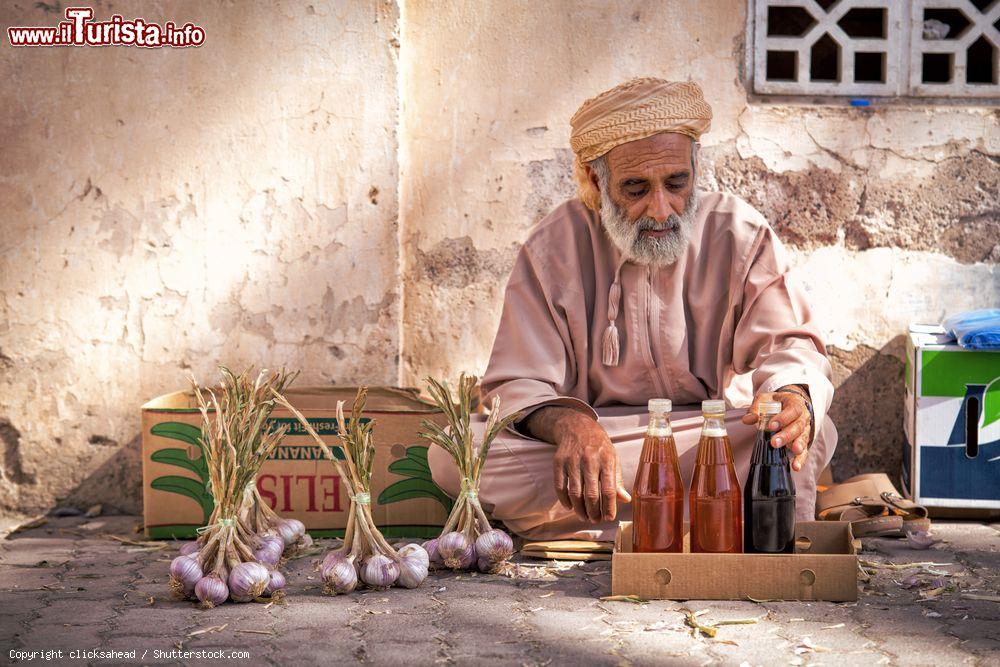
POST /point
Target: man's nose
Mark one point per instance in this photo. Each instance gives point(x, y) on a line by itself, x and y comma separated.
point(659, 208)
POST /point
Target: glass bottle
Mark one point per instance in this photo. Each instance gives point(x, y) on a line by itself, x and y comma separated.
point(769, 493)
point(716, 516)
point(658, 492)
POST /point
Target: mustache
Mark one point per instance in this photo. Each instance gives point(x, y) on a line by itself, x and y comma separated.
point(645, 224)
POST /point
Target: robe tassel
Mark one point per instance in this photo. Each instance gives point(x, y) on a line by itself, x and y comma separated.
point(611, 345)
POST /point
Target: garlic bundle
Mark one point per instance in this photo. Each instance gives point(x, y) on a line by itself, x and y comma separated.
point(258, 518)
point(467, 539)
point(365, 555)
point(230, 560)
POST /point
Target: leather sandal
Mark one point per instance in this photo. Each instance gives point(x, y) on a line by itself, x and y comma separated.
point(873, 506)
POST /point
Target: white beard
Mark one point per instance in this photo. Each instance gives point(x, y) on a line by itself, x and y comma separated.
point(647, 250)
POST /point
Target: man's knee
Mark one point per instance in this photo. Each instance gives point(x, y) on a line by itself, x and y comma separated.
point(444, 472)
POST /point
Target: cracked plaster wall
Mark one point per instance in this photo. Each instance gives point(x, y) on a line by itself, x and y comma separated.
point(167, 210)
point(891, 213)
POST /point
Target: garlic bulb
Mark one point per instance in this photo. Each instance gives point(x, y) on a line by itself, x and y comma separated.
point(275, 584)
point(271, 541)
point(339, 574)
point(484, 564)
point(190, 548)
point(247, 581)
point(456, 550)
point(495, 545)
point(297, 526)
point(288, 531)
point(412, 570)
point(379, 572)
point(468, 558)
point(269, 553)
point(431, 547)
point(416, 551)
point(211, 591)
point(184, 575)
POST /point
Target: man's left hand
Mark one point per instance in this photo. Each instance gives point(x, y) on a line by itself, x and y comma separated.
point(794, 422)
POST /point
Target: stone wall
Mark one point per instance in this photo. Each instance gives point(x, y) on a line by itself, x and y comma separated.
point(342, 187)
point(168, 210)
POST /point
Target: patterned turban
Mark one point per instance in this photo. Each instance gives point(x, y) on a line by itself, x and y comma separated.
point(630, 111)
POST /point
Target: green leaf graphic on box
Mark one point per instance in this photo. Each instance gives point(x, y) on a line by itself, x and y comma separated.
point(991, 403)
point(178, 431)
point(185, 486)
point(418, 482)
point(418, 455)
point(410, 468)
point(179, 458)
point(408, 489)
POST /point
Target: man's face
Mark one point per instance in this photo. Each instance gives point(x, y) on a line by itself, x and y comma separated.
point(648, 200)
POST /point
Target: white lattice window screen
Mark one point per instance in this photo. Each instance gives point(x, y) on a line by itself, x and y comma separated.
point(954, 48)
point(935, 48)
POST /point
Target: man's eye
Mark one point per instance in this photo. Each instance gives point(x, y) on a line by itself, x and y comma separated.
point(635, 191)
point(677, 185)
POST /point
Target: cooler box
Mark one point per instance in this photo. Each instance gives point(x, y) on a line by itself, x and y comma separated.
point(951, 454)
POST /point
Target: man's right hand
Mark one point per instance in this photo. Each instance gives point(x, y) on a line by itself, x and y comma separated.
point(586, 469)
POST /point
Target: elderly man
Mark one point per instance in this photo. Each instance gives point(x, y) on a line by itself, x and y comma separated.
point(643, 287)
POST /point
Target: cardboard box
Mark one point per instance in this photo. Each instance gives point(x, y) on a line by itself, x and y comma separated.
point(297, 481)
point(824, 567)
point(951, 453)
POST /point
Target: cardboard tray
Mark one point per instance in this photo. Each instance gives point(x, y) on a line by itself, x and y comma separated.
point(824, 567)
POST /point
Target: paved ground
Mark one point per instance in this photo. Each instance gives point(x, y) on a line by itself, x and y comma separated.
point(69, 585)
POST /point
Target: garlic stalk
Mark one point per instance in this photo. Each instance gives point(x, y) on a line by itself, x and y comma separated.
point(232, 561)
point(364, 553)
point(467, 538)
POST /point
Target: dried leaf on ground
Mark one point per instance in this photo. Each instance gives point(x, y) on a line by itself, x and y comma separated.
point(980, 596)
point(635, 599)
point(209, 630)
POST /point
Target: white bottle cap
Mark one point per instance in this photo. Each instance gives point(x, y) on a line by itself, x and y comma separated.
point(713, 407)
point(768, 407)
point(660, 406)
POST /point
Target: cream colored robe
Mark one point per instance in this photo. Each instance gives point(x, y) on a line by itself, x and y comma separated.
point(724, 321)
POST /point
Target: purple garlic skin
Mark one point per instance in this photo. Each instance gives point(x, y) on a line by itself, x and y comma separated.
point(379, 572)
point(247, 581)
point(431, 547)
point(495, 545)
point(190, 548)
point(185, 572)
point(275, 584)
point(269, 553)
point(484, 564)
point(415, 551)
point(287, 531)
point(412, 569)
point(211, 591)
point(339, 574)
point(456, 551)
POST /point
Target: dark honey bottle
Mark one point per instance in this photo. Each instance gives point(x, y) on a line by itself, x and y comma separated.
point(769, 492)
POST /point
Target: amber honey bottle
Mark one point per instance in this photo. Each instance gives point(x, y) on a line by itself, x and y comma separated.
point(658, 492)
point(769, 493)
point(715, 499)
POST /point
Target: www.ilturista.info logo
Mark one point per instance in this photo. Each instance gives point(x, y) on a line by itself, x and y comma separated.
point(80, 30)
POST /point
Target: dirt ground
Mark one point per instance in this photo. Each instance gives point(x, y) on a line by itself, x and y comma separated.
point(68, 585)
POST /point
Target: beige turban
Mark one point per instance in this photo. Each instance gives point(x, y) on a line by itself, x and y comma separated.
point(630, 111)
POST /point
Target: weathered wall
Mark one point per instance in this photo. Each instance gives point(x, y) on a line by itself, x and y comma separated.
point(167, 210)
point(892, 214)
point(164, 211)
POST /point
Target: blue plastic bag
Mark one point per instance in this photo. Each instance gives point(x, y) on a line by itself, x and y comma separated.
point(976, 329)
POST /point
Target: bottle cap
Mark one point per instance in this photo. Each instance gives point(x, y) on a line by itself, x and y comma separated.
point(713, 407)
point(660, 406)
point(768, 408)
